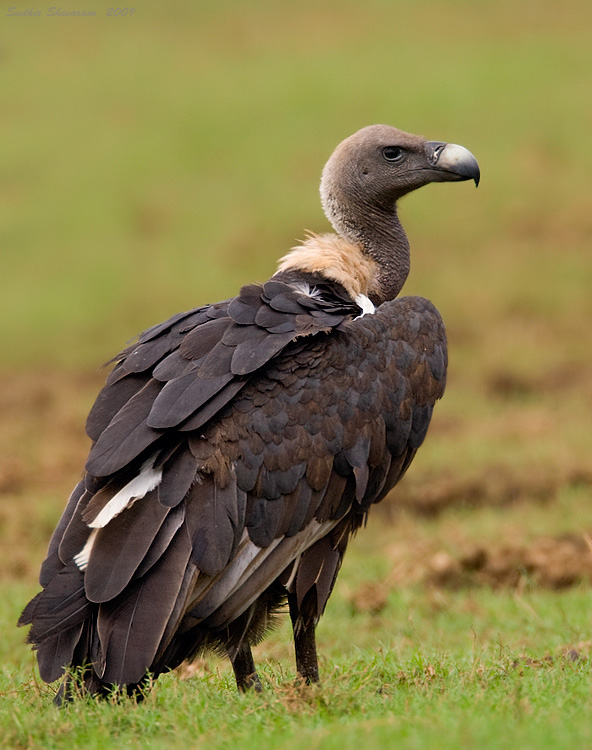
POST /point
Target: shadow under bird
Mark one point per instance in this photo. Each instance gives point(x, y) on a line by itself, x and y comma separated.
point(238, 446)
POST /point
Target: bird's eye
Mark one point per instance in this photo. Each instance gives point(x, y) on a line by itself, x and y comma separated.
point(393, 153)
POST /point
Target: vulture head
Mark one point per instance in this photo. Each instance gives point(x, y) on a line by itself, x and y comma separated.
point(362, 182)
point(379, 164)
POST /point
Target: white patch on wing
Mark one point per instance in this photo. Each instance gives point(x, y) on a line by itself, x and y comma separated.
point(82, 558)
point(248, 557)
point(366, 304)
point(223, 595)
point(145, 482)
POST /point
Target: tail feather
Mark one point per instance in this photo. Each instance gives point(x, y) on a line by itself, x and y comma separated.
point(62, 605)
point(163, 659)
point(56, 652)
point(131, 627)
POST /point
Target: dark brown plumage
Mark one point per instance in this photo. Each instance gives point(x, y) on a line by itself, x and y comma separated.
point(238, 446)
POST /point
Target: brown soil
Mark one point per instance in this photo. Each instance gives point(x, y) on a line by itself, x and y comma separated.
point(547, 562)
point(550, 562)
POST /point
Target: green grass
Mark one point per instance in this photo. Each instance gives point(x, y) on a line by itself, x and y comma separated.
point(474, 668)
point(412, 704)
point(153, 163)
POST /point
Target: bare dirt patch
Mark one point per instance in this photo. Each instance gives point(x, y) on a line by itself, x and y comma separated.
point(42, 451)
point(42, 439)
point(43, 448)
point(495, 486)
point(551, 562)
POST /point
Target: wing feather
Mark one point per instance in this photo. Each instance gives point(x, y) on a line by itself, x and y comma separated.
point(121, 546)
point(171, 524)
point(127, 435)
point(215, 518)
point(53, 563)
point(179, 473)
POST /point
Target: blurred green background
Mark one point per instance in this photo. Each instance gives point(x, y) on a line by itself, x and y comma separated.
point(154, 162)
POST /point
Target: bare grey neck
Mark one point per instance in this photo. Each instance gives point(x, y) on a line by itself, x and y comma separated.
point(378, 229)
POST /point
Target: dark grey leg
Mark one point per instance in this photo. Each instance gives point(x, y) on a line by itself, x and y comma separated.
point(304, 642)
point(244, 668)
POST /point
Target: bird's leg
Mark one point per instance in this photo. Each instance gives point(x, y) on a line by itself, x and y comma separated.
point(244, 668)
point(305, 643)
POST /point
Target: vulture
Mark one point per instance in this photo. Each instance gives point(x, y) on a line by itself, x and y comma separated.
point(237, 447)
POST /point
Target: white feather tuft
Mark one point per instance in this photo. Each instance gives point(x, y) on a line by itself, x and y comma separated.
point(307, 290)
point(366, 304)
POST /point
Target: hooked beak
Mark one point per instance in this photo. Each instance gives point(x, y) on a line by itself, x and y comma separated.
point(451, 162)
